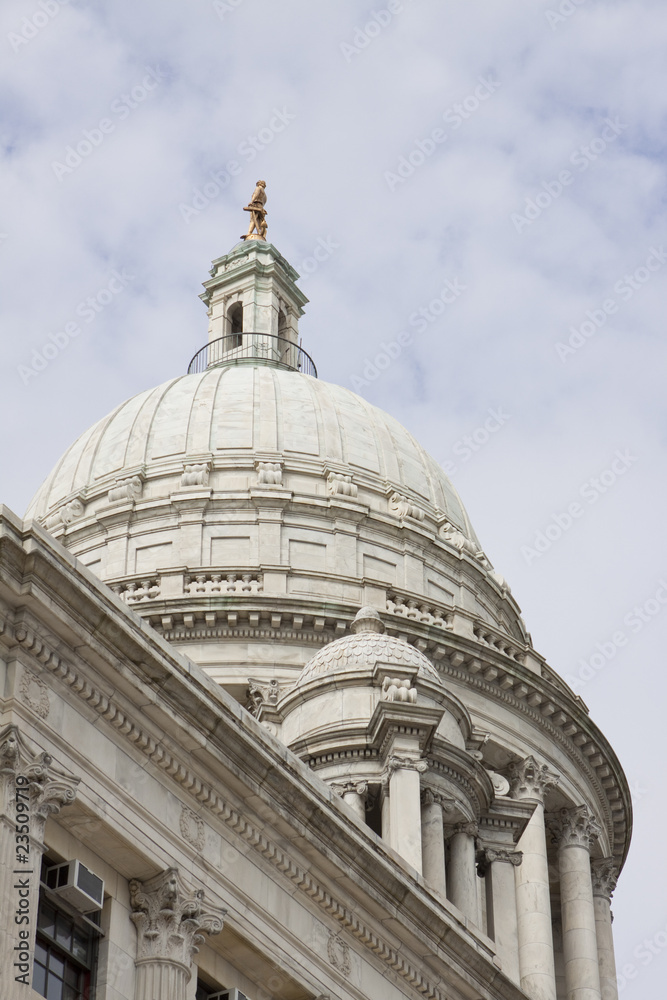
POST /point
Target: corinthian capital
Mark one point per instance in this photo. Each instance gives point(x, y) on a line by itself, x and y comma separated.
point(488, 855)
point(604, 874)
point(530, 780)
point(576, 827)
point(46, 788)
point(169, 916)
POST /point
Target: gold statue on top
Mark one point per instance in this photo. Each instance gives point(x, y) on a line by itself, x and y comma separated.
point(258, 213)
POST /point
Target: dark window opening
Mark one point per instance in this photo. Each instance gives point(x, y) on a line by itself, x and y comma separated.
point(374, 809)
point(235, 318)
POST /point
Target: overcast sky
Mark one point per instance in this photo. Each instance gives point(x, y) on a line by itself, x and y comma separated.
point(487, 176)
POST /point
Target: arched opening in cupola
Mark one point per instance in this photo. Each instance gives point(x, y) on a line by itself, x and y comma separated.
point(235, 321)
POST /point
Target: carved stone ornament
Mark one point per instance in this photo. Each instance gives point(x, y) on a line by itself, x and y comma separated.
point(64, 515)
point(262, 695)
point(34, 693)
point(195, 475)
point(488, 855)
point(126, 489)
point(339, 954)
point(604, 874)
point(269, 473)
point(530, 780)
point(338, 484)
point(429, 797)
point(398, 689)
point(344, 787)
point(501, 785)
point(170, 917)
point(576, 827)
point(470, 829)
point(23, 765)
point(404, 507)
point(455, 537)
point(397, 762)
point(192, 828)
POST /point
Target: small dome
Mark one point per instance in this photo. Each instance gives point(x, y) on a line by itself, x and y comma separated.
point(364, 650)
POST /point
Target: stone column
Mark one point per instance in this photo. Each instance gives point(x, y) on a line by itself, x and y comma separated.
point(433, 840)
point(32, 788)
point(169, 917)
point(462, 875)
point(404, 807)
point(574, 830)
point(353, 794)
point(605, 873)
point(501, 917)
point(530, 780)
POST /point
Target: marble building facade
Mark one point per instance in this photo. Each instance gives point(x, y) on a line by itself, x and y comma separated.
point(259, 676)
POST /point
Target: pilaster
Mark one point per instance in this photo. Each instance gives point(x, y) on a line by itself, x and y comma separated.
point(604, 875)
point(32, 788)
point(169, 917)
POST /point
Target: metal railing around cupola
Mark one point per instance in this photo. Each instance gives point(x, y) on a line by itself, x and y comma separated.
point(262, 348)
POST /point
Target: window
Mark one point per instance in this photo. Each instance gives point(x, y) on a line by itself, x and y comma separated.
point(235, 318)
point(64, 956)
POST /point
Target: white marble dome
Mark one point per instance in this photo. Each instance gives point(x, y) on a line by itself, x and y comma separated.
point(235, 415)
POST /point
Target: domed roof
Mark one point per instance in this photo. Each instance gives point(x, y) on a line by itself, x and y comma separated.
point(363, 650)
point(235, 413)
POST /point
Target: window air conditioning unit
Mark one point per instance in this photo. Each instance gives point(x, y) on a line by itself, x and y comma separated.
point(228, 995)
point(77, 885)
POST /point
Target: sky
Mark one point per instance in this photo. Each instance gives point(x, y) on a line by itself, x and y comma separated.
point(474, 194)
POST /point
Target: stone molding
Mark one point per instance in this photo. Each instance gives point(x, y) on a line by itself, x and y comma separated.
point(530, 780)
point(575, 827)
point(64, 515)
point(170, 917)
point(132, 730)
point(50, 788)
point(604, 875)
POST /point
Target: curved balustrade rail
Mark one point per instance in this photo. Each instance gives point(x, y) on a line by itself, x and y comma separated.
point(238, 348)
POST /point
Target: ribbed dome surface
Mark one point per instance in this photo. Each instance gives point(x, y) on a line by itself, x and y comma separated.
point(245, 410)
point(354, 652)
